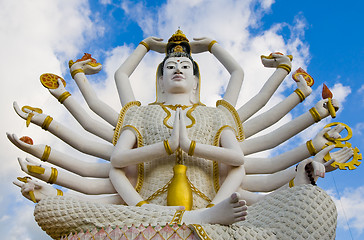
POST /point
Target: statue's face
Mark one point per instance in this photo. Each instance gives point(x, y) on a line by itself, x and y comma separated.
point(178, 75)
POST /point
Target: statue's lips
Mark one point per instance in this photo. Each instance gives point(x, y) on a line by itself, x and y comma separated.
point(178, 77)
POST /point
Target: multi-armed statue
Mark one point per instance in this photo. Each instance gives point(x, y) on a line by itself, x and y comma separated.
point(178, 161)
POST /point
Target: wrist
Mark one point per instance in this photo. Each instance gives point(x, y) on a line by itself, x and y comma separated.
point(212, 43)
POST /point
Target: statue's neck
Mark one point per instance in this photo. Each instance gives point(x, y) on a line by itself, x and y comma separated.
point(181, 99)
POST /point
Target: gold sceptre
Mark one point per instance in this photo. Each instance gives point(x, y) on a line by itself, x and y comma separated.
point(326, 93)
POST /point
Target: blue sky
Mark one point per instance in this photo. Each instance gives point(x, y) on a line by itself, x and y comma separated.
point(325, 38)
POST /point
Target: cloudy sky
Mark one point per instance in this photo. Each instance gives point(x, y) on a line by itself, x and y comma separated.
point(41, 36)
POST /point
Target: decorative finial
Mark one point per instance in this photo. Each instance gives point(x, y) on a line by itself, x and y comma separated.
point(178, 37)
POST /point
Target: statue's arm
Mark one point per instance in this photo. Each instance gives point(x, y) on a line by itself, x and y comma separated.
point(271, 182)
point(78, 71)
point(236, 72)
point(288, 130)
point(82, 144)
point(41, 190)
point(50, 155)
point(283, 65)
point(90, 186)
point(91, 125)
point(274, 114)
point(123, 73)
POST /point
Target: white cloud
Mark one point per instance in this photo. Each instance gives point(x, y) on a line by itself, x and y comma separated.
point(350, 207)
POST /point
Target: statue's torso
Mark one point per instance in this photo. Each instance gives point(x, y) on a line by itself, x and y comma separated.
point(153, 124)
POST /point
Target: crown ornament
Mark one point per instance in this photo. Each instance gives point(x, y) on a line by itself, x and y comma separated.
point(178, 43)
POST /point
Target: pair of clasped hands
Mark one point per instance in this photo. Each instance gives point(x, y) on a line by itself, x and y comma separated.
point(179, 136)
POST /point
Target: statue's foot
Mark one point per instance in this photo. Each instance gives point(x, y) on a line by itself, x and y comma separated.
point(227, 212)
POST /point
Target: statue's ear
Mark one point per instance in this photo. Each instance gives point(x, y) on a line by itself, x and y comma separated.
point(160, 83)
point(195, 83)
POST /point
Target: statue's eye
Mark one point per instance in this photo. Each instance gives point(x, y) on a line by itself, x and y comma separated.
point(170, 67)
point(185, 67)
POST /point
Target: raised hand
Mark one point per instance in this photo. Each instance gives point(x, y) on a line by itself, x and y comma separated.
point(34, 190)
point(322, 109)
point(156, 44)
point(341, 156)
point(274, 60)
point(87, 67)
point(200, 45)
point(302, 85)
point(35, 150)
point(35, 169)
point(59, 90)
point(30, 115)
point(320, 140)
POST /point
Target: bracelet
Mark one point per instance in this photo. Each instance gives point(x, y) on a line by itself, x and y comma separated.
point(211, 44)
point(167, 147)
point(47, 122)
point(210, 205)
point(315, 114)
point(63, 97)
point(291, 183)
point(139, 204)
point(46, 153)
point(311, 148)
point(54, 174)
point(285, 67)
point(59, 192)
point(145, 45)
point(300, 94)
point(192, 148)
point(35, 169)
point(74, 72)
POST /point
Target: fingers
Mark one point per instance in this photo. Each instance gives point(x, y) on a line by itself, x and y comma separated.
point(18, 183)
point(157, 39)
point(318, 169)
point(328, 163)
point(199, 38)
point(18, 110)
point(324, 151)
point(23, 165)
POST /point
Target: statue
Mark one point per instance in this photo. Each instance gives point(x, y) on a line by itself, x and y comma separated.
point(176, 160)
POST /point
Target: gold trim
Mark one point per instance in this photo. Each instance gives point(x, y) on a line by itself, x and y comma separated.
point(46, 153)
point(315, 114)
point(191, 150)
point(145, 45)
point(211, 44)
point(47, 122)
point(240, 137)
point(59, 192)
point(54, 174)
point(210, 205)
point(172, 107)
point(311, 148)
point(63, 97)
point(35, 169)
point(198, 192)
point(198, 229)
point(140, 143)
point(167, 147)
point(177, 218)
point(159, 191)
point(291, 183)
point(331, 108)
point(300, 94)
point(285, 67)
point(141, 203)
point(121, 120)
point(74, 72)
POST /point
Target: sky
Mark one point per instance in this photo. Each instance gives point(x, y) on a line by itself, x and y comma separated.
point(39, 36)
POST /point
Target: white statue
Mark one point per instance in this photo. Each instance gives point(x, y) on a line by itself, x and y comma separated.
point(178, 154)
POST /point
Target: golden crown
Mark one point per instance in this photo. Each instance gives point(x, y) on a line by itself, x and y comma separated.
point(178, 37)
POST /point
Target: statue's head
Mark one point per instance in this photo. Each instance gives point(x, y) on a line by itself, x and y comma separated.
point(178, 63)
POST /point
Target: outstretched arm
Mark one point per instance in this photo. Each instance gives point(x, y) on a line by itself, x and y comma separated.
point(80, 143)
point(127, 68)
point(289, 158)
point(101, 130)
point(235, 70)
point(91, 186)
point(288, 130)
point(283, 65)
point(37, 190)
point(79, 70)
point(46, 153)
point(274, 114)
